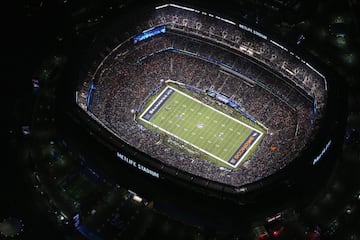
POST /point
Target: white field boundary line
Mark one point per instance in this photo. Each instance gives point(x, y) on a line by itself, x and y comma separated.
point(197, 147)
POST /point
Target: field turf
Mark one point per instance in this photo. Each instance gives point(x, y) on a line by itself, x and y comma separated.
point(201, 126)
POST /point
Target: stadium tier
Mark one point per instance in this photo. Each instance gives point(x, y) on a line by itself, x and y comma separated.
point(203, 97)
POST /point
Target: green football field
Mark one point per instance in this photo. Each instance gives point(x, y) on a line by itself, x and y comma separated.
point(200, 126)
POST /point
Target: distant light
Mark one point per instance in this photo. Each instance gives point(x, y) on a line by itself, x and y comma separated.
point(25, 130)
point(358, 196)
point(348, 210)
point(325, 149)
point(59, 38)
point(276, 217)
point(276, 233)
point(339, 19)
point(300, 39)
point(35, 83)
point(11, 227)
point(340, 41)
point(137, 198)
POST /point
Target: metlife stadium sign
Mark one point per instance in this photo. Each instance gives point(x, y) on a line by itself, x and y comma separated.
point(137, 165)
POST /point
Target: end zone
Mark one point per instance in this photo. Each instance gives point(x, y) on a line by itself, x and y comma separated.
point(159, 101)
point(244, 148)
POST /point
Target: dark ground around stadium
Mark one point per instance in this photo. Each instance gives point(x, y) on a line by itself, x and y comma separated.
point(31, 31)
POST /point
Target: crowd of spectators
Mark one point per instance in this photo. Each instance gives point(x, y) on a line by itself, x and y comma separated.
point(280, 94)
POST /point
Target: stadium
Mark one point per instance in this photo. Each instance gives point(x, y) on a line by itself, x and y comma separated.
point(194, 97)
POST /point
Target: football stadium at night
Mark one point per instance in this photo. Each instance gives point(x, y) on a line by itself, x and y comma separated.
point(209, 101)
point(189, 120)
